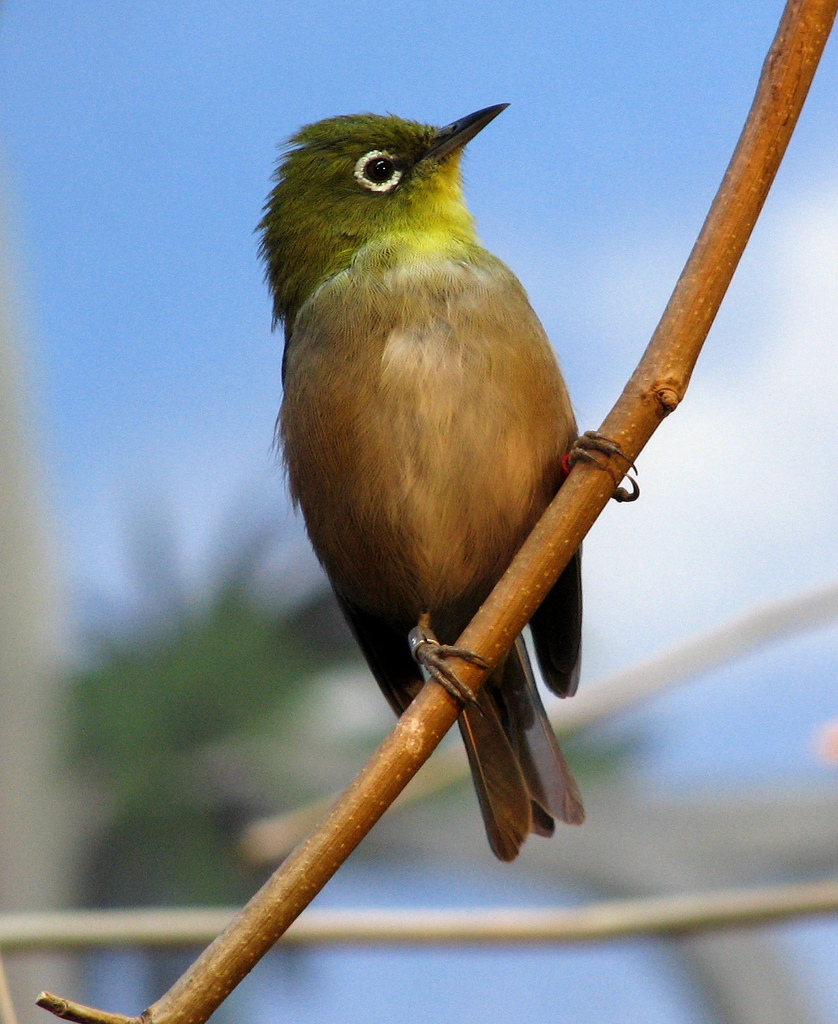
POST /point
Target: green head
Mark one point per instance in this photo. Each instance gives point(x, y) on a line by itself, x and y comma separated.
point(361, 178)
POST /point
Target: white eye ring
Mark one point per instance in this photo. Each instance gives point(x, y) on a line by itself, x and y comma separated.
point(376, 186)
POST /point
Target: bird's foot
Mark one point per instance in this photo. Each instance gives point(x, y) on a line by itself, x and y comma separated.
point(588, 446)
point(431, 655)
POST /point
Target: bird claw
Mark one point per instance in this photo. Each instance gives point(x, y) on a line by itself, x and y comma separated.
point(430, 654)
point(621, 494)
point(585, 449)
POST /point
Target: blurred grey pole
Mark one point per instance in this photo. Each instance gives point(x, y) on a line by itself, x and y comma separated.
point(33, 816)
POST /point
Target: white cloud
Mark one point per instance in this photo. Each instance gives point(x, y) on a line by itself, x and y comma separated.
point(740, 484)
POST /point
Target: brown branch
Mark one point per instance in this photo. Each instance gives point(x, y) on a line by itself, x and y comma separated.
point(655, 389)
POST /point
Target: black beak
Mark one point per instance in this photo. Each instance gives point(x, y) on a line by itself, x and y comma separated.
point(456, 135)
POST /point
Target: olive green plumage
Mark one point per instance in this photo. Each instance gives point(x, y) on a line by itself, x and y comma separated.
point(317, 217)
point(423, 424)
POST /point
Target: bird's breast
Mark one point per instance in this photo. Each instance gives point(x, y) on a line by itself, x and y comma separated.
point(423, 441)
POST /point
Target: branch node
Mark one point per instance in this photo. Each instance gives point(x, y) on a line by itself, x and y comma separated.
point(667, 398)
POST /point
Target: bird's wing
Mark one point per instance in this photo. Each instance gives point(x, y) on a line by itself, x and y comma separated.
point(387, 653)
point(556, 630)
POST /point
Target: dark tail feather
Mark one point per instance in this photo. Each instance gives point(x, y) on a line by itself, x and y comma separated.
point(549, 780)
point(501, 790)
point(521, 777)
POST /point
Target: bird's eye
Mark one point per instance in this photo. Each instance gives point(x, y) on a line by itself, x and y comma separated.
point(377, 171)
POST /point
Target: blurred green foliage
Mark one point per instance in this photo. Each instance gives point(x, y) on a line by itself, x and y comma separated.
point(157, 731)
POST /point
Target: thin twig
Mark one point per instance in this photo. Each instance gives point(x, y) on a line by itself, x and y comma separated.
point(78, 1012)
point(608, 919)
point(268, 840)
point(655, 389)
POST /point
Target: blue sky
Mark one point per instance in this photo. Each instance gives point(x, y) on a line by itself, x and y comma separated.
point(138, 142)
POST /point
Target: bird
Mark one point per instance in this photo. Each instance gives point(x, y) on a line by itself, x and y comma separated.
point(423, 426)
